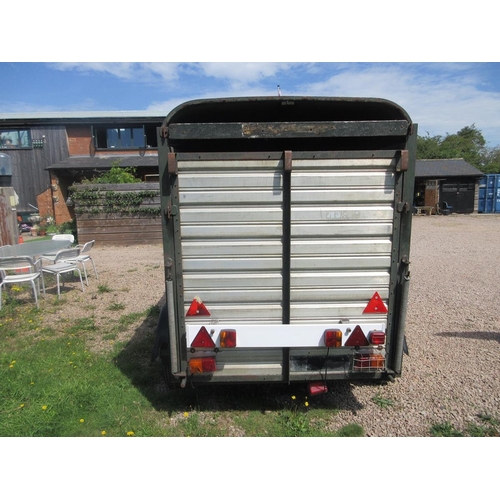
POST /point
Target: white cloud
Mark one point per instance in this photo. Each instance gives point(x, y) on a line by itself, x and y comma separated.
point(247, 72)
point(144, 72)
point(441, 98)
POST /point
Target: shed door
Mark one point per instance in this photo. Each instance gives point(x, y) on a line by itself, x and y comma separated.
point(459, 194)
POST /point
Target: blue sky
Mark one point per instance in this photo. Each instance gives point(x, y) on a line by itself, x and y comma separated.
point(440, 64)
point(441, 97)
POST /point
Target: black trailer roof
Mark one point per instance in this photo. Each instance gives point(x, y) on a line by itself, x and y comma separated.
point(290, 108)
point(279, 123)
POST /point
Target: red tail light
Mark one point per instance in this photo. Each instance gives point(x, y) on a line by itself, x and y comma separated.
point(228, 338)
point(333, 338)
point(377, 337)
point(202, 365)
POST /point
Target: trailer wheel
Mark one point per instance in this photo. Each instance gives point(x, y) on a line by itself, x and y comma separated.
point(166, 371)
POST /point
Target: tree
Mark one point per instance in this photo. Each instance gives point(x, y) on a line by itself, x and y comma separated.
point(492, 161)
point(468, 143)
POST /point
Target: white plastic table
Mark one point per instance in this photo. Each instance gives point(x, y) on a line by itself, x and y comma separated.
point(34, 249)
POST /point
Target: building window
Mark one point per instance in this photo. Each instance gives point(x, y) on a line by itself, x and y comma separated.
point(124, 137)
point(15, 139)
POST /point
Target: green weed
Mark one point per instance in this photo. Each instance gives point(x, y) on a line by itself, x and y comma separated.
point(103, 288)
point(115, 306)
point(379, 400)
point(445, 430)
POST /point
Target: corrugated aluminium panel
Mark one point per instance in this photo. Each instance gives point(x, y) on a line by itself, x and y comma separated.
point(231, 224)
point(353, 203)
point(232, 215)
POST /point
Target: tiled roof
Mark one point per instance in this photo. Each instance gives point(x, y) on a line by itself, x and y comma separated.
point(446, 168)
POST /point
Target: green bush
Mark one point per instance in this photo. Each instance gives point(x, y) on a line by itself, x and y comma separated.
point(117, 175)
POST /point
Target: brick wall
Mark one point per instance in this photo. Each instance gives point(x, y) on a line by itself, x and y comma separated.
point(79, 139)
point(52, 201)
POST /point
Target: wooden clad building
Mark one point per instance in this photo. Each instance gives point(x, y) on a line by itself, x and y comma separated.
point(50, 152)
point(447, 183)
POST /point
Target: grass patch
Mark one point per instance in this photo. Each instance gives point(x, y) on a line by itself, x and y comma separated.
point(54, 383)
point(103, 288)
point(488, 427)
point(57, 388)
point(115, 306)
point(379, 400)
point(445, 430)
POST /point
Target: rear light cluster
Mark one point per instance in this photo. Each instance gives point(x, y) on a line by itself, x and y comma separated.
point(376, 338)
point(204, 340)
point(333, 338)
point(369, 362)
point(202, 365)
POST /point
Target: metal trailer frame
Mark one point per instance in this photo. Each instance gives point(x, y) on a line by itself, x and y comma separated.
point(286, 140)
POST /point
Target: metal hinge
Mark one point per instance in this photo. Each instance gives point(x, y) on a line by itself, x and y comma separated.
point(287, 161)
point(403, 207)
point(172, 164)
point(403, 162)
point(171, 210)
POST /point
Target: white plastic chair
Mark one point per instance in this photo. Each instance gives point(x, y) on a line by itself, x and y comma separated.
point(68, 237)
point(20, 269)
point(85, 257)
point(63, 265)
point(52, 255)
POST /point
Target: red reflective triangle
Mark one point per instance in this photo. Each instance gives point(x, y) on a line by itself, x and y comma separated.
point(357, 338)
point(203, 339)
point(376, 305)
point(197, 308)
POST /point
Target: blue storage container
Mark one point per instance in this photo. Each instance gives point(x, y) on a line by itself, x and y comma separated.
point(489, 194)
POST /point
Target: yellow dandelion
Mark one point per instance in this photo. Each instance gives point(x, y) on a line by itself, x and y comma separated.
point(13, 362)
point(130, 433)
point(293, 397)
point(21, 405)
point(44, 407)
point(186, 414)
point(103, 433)
point(82, 420)
point(306, 404)
point(32, 383)
point(11, 366)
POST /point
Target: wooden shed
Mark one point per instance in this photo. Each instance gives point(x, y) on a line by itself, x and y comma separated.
point(450, 182)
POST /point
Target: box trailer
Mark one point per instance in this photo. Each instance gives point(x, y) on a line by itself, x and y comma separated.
point(286, 229)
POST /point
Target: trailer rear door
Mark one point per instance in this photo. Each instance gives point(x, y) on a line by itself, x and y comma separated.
point(264, 244)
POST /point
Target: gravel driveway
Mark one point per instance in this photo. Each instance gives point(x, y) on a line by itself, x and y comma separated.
point(452, 330)
point(453, 326)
